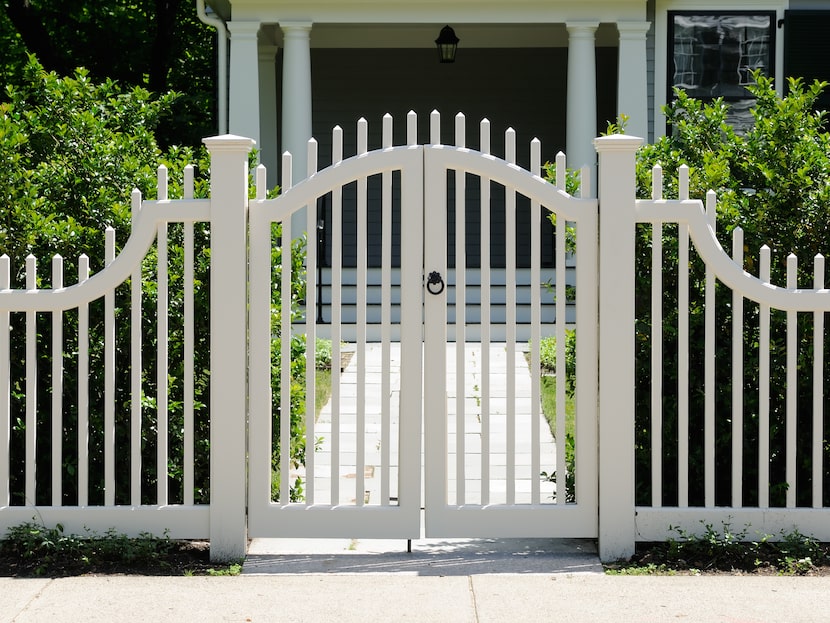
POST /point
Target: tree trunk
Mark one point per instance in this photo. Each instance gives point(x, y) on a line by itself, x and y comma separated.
point(37, 38)
point(166, 19)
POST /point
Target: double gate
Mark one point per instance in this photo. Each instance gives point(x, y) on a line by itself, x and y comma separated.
point(414, 424)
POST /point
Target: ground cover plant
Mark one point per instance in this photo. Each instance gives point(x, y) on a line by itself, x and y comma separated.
point(727, 550)
point(34, 550)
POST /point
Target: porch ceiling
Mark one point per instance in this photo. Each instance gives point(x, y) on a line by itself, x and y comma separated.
point(350, 35)
point(436, 11)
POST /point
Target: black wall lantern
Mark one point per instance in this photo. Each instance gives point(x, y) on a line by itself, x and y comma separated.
point(447, 44)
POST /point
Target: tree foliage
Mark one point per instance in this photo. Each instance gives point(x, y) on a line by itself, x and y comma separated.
point(156, 44)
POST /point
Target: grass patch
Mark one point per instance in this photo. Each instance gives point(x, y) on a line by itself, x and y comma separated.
point(548, 391)
point(322, 376)
point(322, 389)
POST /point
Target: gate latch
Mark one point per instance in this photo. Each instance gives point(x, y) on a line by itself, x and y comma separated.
point(434, 279)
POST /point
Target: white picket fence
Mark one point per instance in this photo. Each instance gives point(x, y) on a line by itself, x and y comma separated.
point(731, 507)
point(622, 518)
point(184, 519)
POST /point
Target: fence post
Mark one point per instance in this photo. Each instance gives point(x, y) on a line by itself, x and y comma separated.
point(228, 344)
point(617, 195)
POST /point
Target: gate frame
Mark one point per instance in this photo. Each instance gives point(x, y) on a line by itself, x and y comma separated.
point(403, 520)
point(535, 520)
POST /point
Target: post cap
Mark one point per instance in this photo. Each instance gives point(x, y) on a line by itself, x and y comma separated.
point(617, 142)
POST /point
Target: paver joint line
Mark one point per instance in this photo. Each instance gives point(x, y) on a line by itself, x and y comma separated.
point(473, 597)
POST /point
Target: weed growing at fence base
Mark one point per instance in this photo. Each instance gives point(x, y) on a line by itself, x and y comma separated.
point(728, 551)
point(32, 549)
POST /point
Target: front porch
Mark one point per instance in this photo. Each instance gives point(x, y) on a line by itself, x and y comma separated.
point(550, 70)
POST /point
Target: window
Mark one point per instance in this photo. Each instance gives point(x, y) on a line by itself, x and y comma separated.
point(714, 54)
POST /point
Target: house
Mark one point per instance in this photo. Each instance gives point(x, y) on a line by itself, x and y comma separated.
point(558, 70)
point(526, 63)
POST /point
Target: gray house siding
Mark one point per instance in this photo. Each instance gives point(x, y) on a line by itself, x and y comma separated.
point(519, 88)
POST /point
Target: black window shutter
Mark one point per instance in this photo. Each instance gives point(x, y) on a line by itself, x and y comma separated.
point(807, 49)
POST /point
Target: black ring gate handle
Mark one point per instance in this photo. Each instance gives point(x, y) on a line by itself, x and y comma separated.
point(435, 279)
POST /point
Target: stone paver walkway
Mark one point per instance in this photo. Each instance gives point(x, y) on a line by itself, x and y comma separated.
point(473, 388)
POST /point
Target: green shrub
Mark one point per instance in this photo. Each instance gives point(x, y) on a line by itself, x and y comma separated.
point(774, 183)
point(72, 151)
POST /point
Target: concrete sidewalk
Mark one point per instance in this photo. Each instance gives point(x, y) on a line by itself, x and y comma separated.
point(394, 597)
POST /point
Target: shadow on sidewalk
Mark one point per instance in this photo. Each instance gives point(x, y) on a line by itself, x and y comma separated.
point(435, 557)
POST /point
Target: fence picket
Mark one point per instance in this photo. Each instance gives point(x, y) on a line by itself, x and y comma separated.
point(737, 375)
point(485, 211)
point(5, 385)
point(109, 380)
point(162, 365)
point(188, 375)
point(57, 388)
point(311, 329)
point(460, 312)
point(386, 319)
point(657, 346)
point(31, 386)
point(709, 371)
point(83, 389)
point(336, 297)
point(362, 282)
point(136, 368)
point(510, 312)
point(561, 171)
point(683, 365)
point(818, 387)
point(286, 331)
point(763, 389)
point(792, 386)
point(535, 327)
point(657, 364)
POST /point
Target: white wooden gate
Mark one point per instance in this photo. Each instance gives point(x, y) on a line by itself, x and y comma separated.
point(484, 448)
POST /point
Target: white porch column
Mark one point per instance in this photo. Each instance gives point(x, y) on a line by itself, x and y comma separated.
point(582, 94)
point(296, 105)
point(632, 85)
point(244, 80)
point(268, 145)
point(296, 94)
